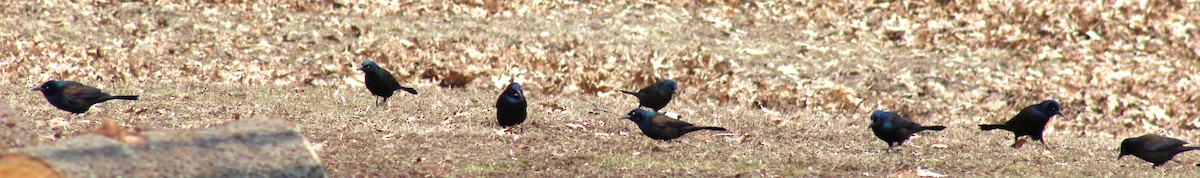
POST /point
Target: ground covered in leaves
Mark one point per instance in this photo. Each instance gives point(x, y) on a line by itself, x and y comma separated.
point(793, 80)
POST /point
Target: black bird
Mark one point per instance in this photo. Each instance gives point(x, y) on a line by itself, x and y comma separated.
point(510, 107)
point(75, 97)
point(1154, 148)
point(1030, 121)
point(893, 128)
point(381, 83)
point(655, 96)
point(660, 127)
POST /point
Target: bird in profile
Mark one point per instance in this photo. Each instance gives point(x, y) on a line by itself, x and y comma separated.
point(381, 83)
point(510, 107)
point(660, 127)
point(655, 96)
point(1031, 121)
point(1154, 148)
point(75, 97)
point(894, 129)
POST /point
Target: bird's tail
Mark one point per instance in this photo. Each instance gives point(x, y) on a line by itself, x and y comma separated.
point(987, 127)
point(409, 90)
point(936, 127)
point(706, 128)
point(1189, 148)
point(629, 92)
point(127, 97)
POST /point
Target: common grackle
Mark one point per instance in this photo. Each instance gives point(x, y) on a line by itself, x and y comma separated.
point(1030, 121)
point(893, 128)
point(510, 107)
point(1154, 148)
point(660, 127)
point(381, 83)
point(75, 97)
point(655, 96)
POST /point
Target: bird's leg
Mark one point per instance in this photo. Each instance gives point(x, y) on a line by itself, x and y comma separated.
point(1045, 145)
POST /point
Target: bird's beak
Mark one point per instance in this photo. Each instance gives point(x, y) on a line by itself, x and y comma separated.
point(626, 116)
point(36, 89)
point(360, 68)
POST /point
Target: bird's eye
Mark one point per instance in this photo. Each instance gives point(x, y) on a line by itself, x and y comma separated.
point(366, 67)
point(46, 87)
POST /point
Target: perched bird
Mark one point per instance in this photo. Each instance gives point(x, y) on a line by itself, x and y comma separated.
point(1030, 121)
point(660, 127)
point(655, 96)
point(381, 83)
point(510, 107)
point(893, 128)
point(75, 97)
point(1154, 148)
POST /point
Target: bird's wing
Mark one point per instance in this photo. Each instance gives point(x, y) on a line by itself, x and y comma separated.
point(648, 90)
point(1027, 117)
point(1165, 143)
point(901, 122)
point(662, 121)
point(80, 91)
point(390, 80)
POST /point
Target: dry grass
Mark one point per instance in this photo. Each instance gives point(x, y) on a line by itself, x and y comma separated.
point(782, 75)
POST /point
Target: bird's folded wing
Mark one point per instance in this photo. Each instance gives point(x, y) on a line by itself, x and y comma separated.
point(82, 92)
point(901, 122)
point(664, 121)
point(1165, 143)
point(1027, 116)
point(648, 90)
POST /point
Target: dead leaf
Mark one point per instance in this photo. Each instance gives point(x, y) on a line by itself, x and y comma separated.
point(1019, 143)
point(554, 107)
point(673, 115)
point(576, 126)
point(926, 173)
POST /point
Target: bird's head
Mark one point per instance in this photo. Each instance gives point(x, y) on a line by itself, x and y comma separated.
point(1051, 107)
point(668, 86)
point(50, 87)
point(639, 115)
point(369, 66)
point(1127, 147)
point(514, 91)
point(879, 116)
